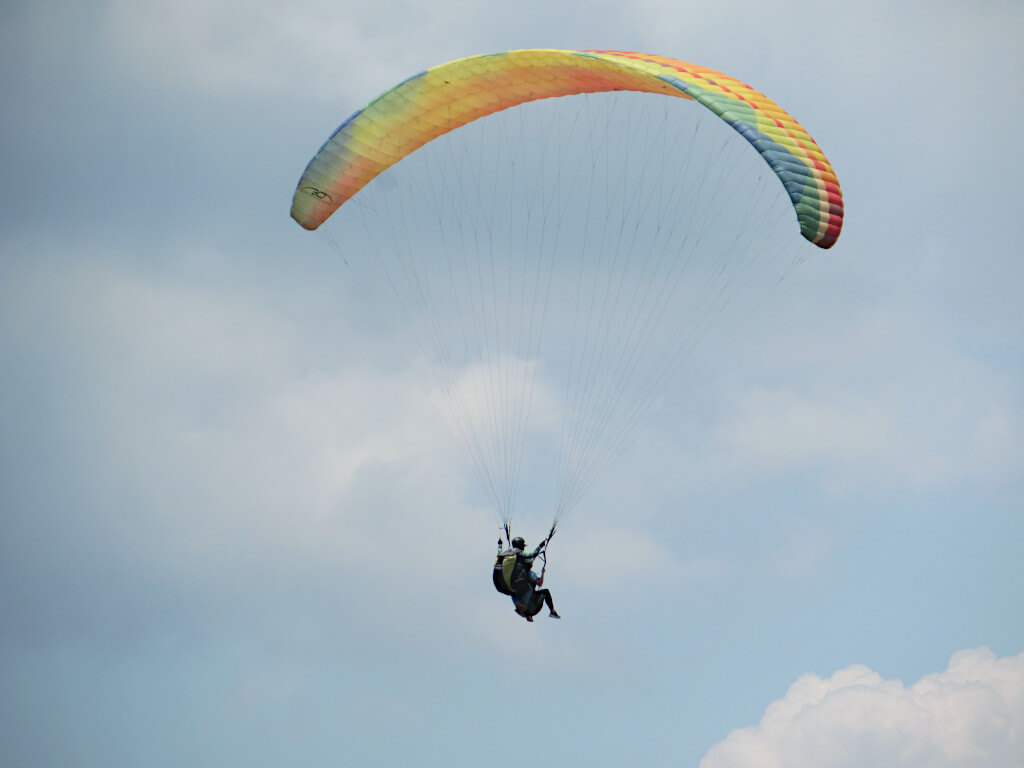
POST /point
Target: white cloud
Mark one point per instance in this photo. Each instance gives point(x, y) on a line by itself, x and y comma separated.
point(969, 716)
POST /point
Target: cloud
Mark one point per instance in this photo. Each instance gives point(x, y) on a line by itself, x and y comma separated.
point(229, 462)
point(319, 48)
point(208, 440)
point(969, 716)
point(254, 47)
point(959, 433)
point(880, 399)
point(637, 559)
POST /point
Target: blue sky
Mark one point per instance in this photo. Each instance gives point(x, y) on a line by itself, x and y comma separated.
point(231, 531)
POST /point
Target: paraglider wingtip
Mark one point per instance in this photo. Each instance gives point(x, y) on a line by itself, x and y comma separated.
point(304, 224)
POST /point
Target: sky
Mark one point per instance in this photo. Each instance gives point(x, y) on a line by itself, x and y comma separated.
point(232, 532)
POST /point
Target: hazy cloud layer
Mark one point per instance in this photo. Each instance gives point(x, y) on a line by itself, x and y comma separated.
point(320, 49)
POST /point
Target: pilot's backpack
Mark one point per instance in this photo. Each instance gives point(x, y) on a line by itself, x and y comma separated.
point(511, 573)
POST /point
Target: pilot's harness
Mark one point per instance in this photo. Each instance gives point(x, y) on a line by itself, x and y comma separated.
point(543, 546)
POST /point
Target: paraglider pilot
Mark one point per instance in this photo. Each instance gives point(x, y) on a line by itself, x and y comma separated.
point(513, 575)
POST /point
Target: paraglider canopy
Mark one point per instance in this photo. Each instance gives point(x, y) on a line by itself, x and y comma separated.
point(584, 247)
point(443, 98)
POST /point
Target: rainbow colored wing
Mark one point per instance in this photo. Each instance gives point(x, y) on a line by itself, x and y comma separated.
point(436, 101)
